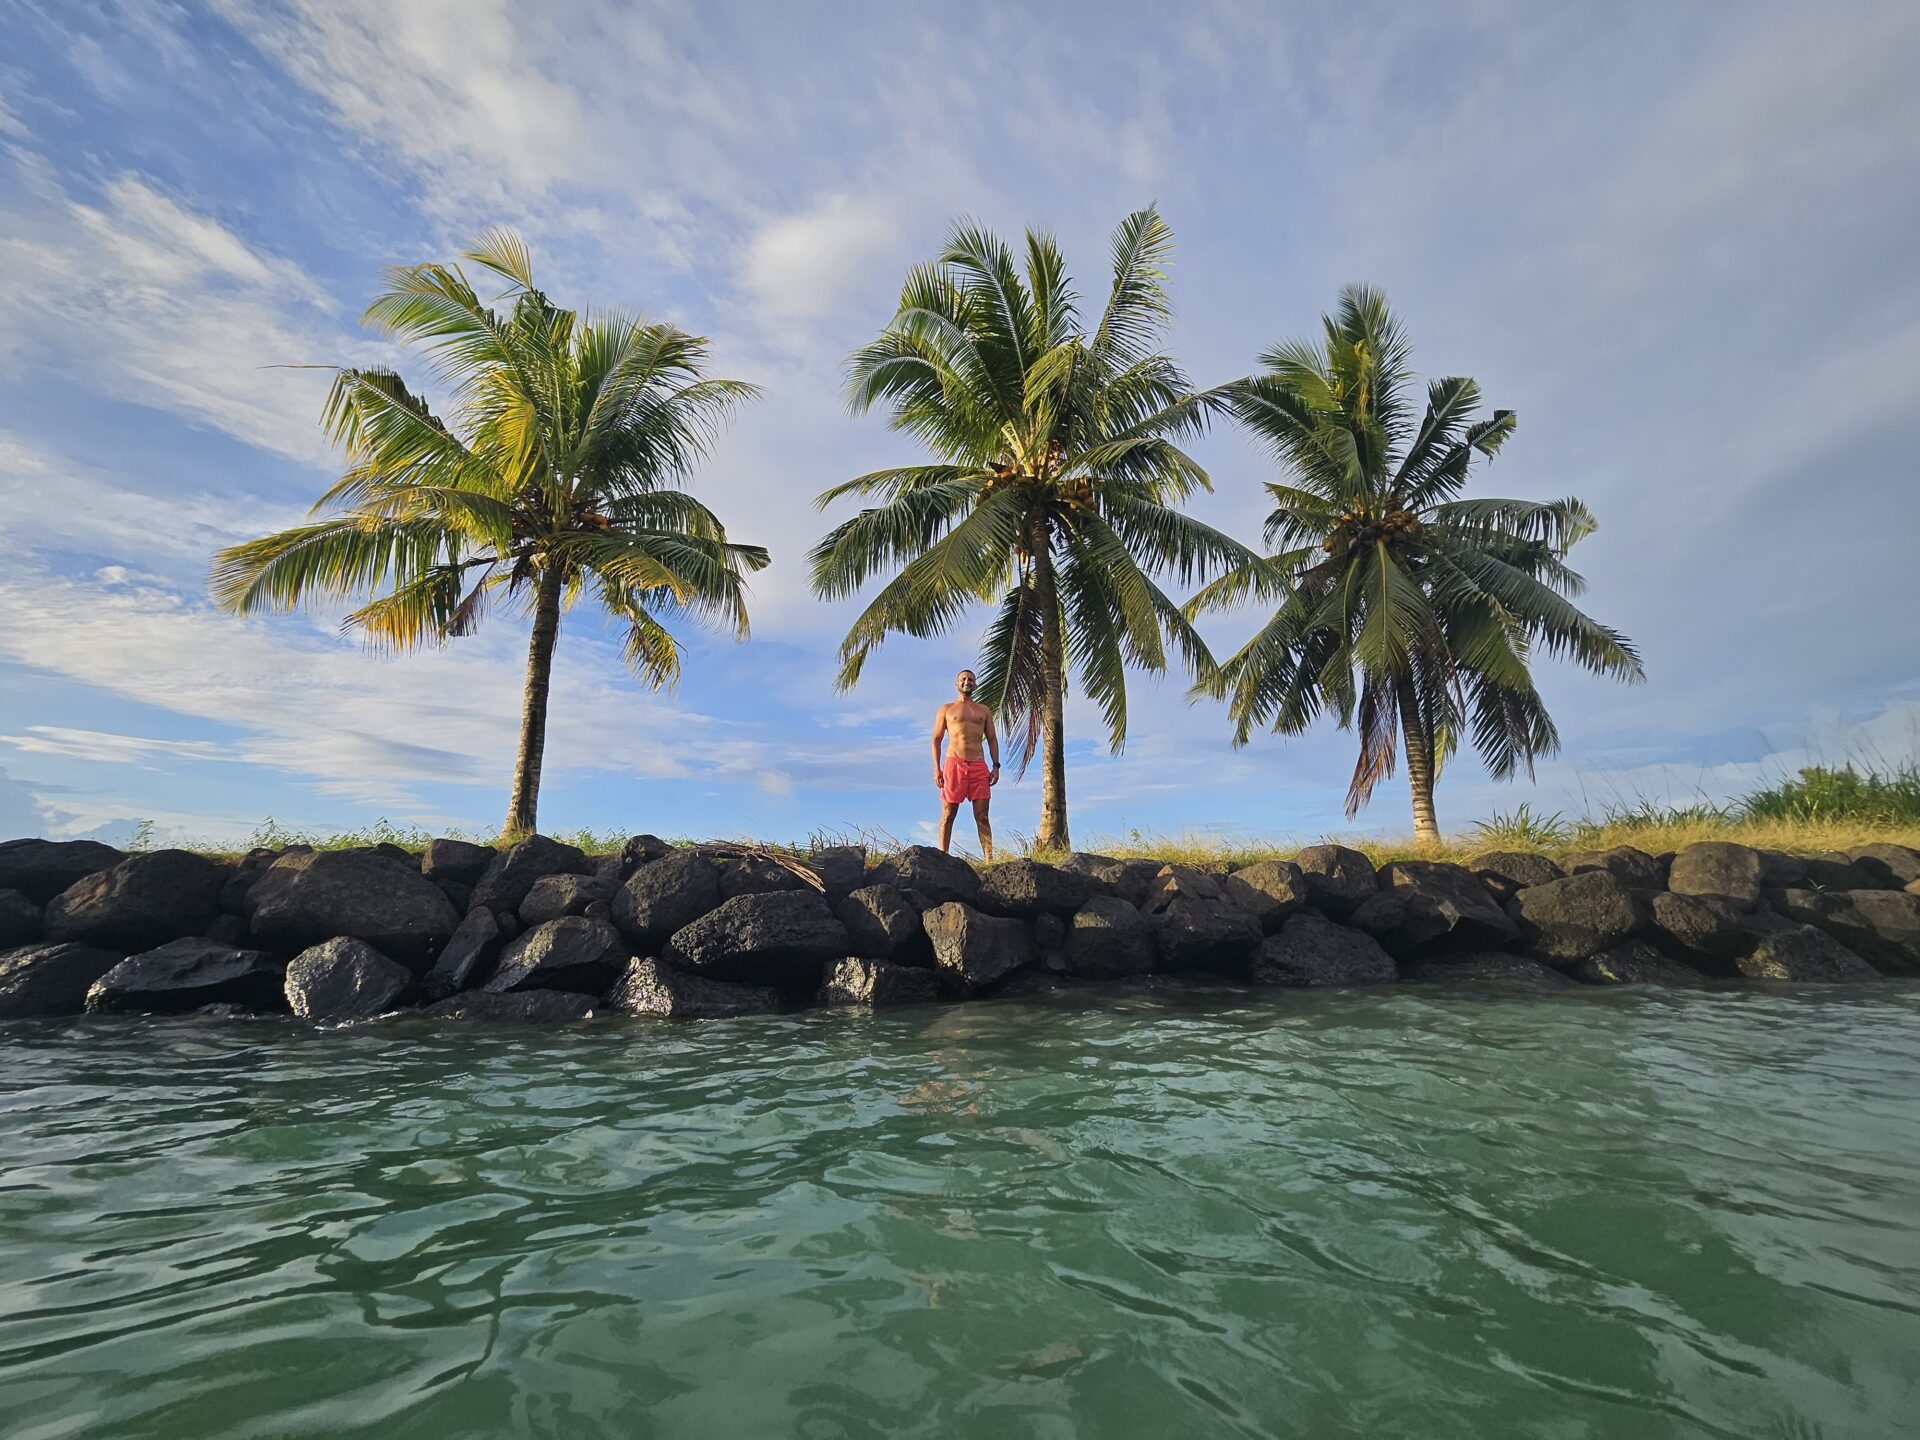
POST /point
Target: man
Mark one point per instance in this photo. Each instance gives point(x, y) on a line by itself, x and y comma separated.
point(962, 724)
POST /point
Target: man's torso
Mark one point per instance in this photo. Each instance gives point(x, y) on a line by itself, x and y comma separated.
point(966, 729)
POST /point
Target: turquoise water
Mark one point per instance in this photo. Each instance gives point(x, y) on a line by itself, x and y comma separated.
point(1395, 1214)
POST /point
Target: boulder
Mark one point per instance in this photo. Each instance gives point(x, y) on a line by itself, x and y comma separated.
point(1800, 952)
point(554, 896)
point(458, 895)
point(1109, 939)
point(186, 975)
point(571, 953)
point(41, 869)
point(663, 895)
point(780, 939)
point(343, 979)
point(1448, 907)
point(50, 979)
point(928, 877)
point(1492, 968)
point(240, 880)
point(842, 869)
point(305, 898)
point(972, 950)
point(20, 920)
point(756, 875)
point(465, 955)
point(144, 901)
point(1183, 882)
point(523, 1007)
point(1635, 869)
point(1311, 950)
point(875, 983)
point(227, 929)
point(1506, 873)
point(1127, 879)
point(1837, 870)
point(1338, 879)
point(1732, 873)
point(1899, 863)
point(1881, 926)
point(1913, 887)
point(1195, 925)
point(1697, 928)
point(642, 850)
point(1049, 931)
point(1781, 871)
point(650, 988)
point(1026, 888)
point(1635, 963)
point(511, 873)
point(1564, 921)
point(880, 924)
point(1268, 890)
point(456, 862)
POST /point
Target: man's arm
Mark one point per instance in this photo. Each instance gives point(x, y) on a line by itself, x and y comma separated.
point(993, 749)
point(939, 735)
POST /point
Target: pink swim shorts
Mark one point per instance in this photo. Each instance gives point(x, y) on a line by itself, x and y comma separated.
point(964, 780)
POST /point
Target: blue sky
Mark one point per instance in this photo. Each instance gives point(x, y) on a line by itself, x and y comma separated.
point(1678, 240)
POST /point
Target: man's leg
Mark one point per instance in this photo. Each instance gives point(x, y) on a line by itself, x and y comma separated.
point(947, 812)
point(986, 830)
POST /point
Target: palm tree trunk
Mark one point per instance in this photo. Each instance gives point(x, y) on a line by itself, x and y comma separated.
point(1419, 743)
point(523, 809)
point(1053, 684)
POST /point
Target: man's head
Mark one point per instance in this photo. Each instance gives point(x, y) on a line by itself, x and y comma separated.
point(963, 682)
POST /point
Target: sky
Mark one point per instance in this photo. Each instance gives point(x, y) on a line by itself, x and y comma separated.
point(1676, 239)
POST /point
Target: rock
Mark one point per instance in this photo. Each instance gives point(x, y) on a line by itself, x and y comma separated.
point(187, 974)
point(1881, 926)
point(1899, 864)
point(240, 880)
point(231, 930)
point(1268, 890)
point(1127, 879)
point(642, 850)
point(1506, 873)
point(1635, 869)
point(510, 874)
point(1836, 870)
point(1800, 952)
point(1110, 939)
point(1489, 969)
point(309, 897)
point(1312, 950)
point(1026, 888)
point(1338, 879)
point(1448, 907)
point(571, 953)
point(459, 896)
point(755, 875)
point(20, 920)
point(144, 901)
point(1635, 963)
point(650, 988)
point(1781, 871)
point(1808, 907)
point(41, 869)
point(842, 869)
point(343, 979)
point(875, 983)
point(1699, 928)
point(1564, 921)
point(554, 896)
point(928, 877)
point(1175, 882)
point(1380, 915)
point(1726, 872)
point(456, 862)
point(664, 895)
point(780, 939)
point(1049, 931)
point(50, 979)
point(971, 950)
point(465, 955)
point(880, 924)
point(1195, 925)
point(523, 1007)
point(1913, 887)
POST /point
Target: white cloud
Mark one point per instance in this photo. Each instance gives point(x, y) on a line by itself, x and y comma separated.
point(99, 745)
point(804, 265)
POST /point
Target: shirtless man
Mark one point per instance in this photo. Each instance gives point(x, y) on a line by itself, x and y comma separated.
point(962, 724)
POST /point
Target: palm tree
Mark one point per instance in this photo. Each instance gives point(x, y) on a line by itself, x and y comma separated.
point(554, 473)
point(1052, 487)
point(1402, 608)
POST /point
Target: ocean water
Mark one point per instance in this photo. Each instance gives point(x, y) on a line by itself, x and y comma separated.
point(1404, 1213)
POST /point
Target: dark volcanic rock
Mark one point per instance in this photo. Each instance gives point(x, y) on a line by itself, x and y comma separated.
point(1506, 873)
point(1050, 931)
point(144, 901)
point(1492, 968)
point(554, 896)
point(1567, 920)
point(780, 939)
point(187, 974)
point(523, 1007)
point(1781, 871)
point(928, 877)
point(50, 979)
point(231, 930)
point(572, 953)
point(880, 924)
point(1800, 952)
point(41, 869)
point(1635, 869)
point(1448, 907)
point(875, 983)
point(460, 896)
point(1312, 950)
point(510, 874)
point(456, 862)
point(1881, 926)
point(1635, 963)
point(971, 950)
point(1698, 928)
point(642, 850)
point(842, 869)
point(1196, 926)
point(1127, 879)
point(465, 955)
point(1338, 879)
point(1268, 890)
point(240, 880)
point(1726, 872)
point(1901, 865)
point(1026, 888)
point(1836, 870)
point(1110, 939)
point(343, 979)
point(664, 895)
point(304, 899)
point(756, 875)
point(650, 988)
point(20, 920)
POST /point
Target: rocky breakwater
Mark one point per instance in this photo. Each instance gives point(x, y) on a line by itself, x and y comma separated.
point(540, 931)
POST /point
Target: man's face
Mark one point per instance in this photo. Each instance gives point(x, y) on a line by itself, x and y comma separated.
point(963, 682)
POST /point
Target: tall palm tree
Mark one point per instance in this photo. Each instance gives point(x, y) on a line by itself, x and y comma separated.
point(555, 472)
point(1052, 488)
point(1401, 608)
